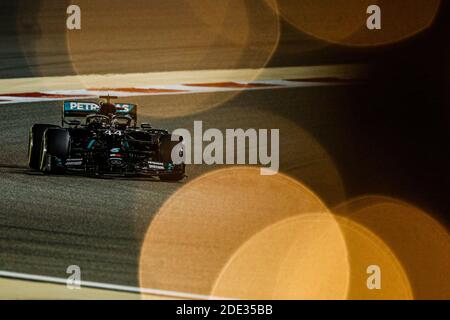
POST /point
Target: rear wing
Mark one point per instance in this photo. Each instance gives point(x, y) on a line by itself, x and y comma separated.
point(80, 109)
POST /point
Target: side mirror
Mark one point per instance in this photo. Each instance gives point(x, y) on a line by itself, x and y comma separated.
point(146, 126)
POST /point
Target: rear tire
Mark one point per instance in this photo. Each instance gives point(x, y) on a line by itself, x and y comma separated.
point(55, 150)
point(34, 144)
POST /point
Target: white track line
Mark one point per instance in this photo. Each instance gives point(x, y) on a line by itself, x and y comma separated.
point(74, 82)
point(159, 90)
point(10, 100)
point(173, 82)
point(108, 286)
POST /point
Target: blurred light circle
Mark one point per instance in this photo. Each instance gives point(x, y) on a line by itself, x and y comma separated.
point(367, 250)
point(419, 242)
point(302, 257)
point(159, 36)
point(200, 227)
point(344, 21)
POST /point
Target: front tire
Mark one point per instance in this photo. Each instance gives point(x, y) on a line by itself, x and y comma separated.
point(165, 156)
point(54, 151)
point(35, 143)
point(167, 145)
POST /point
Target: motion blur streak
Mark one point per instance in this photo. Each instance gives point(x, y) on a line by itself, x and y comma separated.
point(420, 243)
point(192, 77)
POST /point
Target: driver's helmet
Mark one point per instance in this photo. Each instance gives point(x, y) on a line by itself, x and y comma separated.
point(107, 109)
point(97, 121)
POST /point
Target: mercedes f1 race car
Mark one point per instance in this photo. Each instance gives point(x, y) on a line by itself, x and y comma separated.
point(103, 138)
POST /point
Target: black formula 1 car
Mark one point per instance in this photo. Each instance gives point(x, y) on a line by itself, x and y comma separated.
point(103, 138)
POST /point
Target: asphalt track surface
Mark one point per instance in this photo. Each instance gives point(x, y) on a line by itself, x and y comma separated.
point(361, 146)
point(50, 222)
